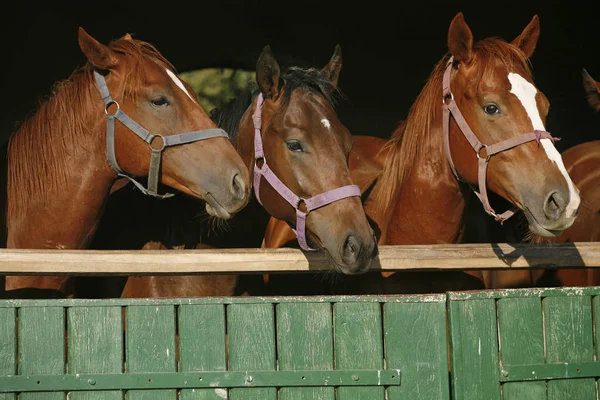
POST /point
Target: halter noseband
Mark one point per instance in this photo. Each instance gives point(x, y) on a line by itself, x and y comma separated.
point(450, 107)
point(142, 133)
point(310, 204)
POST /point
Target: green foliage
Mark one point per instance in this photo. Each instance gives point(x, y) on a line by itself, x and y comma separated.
point(216, 86)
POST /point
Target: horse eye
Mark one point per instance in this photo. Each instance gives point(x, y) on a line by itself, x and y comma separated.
point(294, 145)
point(160, 101)
point(491, 109)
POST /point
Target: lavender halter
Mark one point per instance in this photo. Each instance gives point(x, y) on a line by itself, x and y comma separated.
point(310, 204)
point(450, 107)
point(142, 133)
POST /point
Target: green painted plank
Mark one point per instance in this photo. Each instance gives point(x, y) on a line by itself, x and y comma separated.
point(150, 342)
point(41, 346)
point(416, 343)
point(202, 346)
point(474, 350)
point(521, 330)
point(251, 343)
point(358, 344)
point(305, 342)
point(528, 292)
point(569, 338)
point(95, 346)
point(8, 346)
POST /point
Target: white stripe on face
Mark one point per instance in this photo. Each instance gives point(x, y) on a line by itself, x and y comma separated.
point(526, 92)
point(179, 83)
point(326, 123)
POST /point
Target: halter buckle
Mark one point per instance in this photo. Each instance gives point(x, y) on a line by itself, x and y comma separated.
point(162, 138)
point(107, 106)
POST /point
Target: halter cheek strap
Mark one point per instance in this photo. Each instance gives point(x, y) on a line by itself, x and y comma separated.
point(142, 133)
point(450, 107)
point(295, 201)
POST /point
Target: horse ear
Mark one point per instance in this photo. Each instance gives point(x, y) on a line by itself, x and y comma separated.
point(527, 40)
point(592, 88)
point(267, 74)
point(127, 36)
point(333, 68)
point(99, 55)
point(460, 39)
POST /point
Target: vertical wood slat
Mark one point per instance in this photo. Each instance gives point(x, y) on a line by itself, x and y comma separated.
point(358, 345)
point(42, 346)
point(150, 342)
point(251, 345)
point(521, 342)
point(416, 343)
point(569, 338)
point(474, 349)
point(305, 342)
point(202, 346)
point(95, 346)
point(8, 346)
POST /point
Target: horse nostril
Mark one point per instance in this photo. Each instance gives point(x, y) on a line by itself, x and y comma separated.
point(350, 249)
point(238, 186)
point(554, 206)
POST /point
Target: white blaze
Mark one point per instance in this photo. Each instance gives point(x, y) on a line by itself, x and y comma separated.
point(326, 123)
point(179, 83)
point(526, 92)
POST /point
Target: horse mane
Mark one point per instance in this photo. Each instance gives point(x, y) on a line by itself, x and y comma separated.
point(413, 137)
point(38, 151)
point(313, 80)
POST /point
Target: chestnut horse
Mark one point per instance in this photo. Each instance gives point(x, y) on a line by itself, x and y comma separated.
point(583, 164)
point(295, 136)
point(62, 162)
point(478, 109)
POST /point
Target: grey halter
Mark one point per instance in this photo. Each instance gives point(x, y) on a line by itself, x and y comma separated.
point(142, 133)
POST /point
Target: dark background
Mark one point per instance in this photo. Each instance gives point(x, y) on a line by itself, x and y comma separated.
point(389, 48)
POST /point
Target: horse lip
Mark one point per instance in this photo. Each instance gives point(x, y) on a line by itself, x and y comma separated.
point(216, 207)
point(533, 223)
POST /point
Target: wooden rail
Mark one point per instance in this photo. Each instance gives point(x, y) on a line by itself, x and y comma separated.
point(233, 261)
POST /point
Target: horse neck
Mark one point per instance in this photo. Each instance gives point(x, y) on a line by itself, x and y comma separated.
point(430, 203)
point(57, 201)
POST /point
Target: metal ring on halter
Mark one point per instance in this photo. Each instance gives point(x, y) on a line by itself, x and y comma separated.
point(162, 138)
point(110, 103)
point(300, 202)
point(446, 97)
point(483, 146)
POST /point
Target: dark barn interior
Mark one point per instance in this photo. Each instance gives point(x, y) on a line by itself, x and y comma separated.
point(388, 48)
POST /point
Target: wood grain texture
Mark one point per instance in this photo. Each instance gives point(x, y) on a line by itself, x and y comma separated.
point(305, 342)
point(95, 345)
point(202, 346)
point(8, 346)
point(42, 346)
point(150, 345)
point(416, 343)
point(251, 343)
point(391, 258)
point(358, 344)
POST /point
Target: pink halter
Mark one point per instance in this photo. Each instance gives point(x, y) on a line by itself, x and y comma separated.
point(312, 203)
point(450, 107)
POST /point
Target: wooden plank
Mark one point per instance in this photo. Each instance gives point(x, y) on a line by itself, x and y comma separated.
point(416, 343)
point(95, 346)
point(596, 321)
point(41, 346)
point(202, 346)
point(521, 332)
point(251, 343)
point(474, 350)
point(151, 346)
point(358, 344)
point(8, 346)
point(569, 338)
point(219, 261)
point(305, 342)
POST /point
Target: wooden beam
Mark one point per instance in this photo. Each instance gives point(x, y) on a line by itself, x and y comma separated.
point(499, 256)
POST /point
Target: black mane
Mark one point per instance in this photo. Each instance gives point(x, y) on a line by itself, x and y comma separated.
point(312, 79)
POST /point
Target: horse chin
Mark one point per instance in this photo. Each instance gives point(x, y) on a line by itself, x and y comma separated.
point(537, 229)
point(215, 209)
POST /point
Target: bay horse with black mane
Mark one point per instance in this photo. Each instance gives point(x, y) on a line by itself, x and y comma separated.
point(478, 124)
point(288, 134)
point(124, 114)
